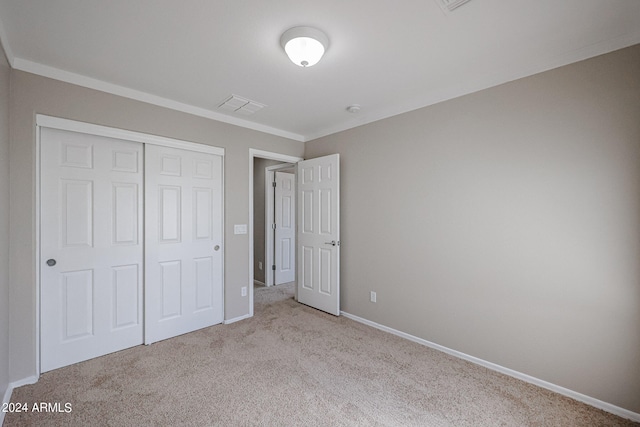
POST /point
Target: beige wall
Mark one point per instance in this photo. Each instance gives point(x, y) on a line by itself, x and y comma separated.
point(4, 223)
point(259, 166)
point(31, 95)
point(506, 224)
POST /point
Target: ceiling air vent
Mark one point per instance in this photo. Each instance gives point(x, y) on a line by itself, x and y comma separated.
point(240, 105)
point(450, 5)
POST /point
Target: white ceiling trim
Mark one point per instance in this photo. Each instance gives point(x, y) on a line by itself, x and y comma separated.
point(469, 87)
point(444, 94)
point(91, 83)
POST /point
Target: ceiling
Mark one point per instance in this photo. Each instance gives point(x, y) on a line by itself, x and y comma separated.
point(388, 56)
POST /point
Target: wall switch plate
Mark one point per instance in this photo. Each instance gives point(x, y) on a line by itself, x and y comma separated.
point(243, 291)
point(372, 296)
point(260, 265)
point(240, 229)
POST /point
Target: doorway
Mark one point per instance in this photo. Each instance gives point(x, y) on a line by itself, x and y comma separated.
point(258, 156)
point(318, 230)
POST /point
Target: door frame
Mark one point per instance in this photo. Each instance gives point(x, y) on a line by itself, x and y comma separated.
point(44, 121)
point(269, 235)
point(253, 153)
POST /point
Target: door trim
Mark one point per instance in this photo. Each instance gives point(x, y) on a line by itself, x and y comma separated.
point(264, 155)
point(44, 121)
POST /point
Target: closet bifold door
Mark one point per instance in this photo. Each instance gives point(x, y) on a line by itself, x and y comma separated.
point(91, 247)
point(183, 241)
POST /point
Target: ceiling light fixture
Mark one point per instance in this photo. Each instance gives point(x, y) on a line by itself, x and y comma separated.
point(304, 45)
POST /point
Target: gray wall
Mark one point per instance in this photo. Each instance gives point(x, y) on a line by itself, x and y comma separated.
point(4, 222)
point(33, 94)
point(506, 224)
point(259, 166)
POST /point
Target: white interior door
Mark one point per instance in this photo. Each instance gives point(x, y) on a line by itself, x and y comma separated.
point(319, 233)
point(285, 232)
point(91, 246)
point(183, 242)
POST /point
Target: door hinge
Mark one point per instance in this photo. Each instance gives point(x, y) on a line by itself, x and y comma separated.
point(273, 183)
point(273, 225)
point(273, 267)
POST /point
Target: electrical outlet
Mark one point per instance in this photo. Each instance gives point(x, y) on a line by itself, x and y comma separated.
point(244, 291)
point(372, 296)
point(260, 265)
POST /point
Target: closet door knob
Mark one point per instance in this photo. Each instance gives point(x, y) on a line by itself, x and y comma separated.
point(216, 248)
point(51, 262)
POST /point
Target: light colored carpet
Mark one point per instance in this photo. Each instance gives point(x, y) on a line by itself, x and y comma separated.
point(292, 365)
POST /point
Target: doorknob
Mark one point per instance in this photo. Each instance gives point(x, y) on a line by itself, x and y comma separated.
point(51, 262)
point(216, 248)
point(332, 243)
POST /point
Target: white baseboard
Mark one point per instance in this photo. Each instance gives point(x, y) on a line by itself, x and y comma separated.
point(616, 410)
point(25, 381)
point(237, 319)
point(258, 282)
point(9, 391)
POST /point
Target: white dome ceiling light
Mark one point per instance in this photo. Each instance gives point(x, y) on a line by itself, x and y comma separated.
point(304, 45)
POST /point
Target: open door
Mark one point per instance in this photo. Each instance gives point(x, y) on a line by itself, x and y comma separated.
point(319, 233)
point(285, 232)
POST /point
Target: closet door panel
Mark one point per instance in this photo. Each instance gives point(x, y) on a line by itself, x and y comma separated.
point(91, 246)
point(183, 241)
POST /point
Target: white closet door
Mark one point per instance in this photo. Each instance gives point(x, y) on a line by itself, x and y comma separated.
point(285, 233)
point(183, 242)
point(91, 246)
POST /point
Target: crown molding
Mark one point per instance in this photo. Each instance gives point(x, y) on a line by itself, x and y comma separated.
point(114, 89)
point(465, 88)
point(444, 94)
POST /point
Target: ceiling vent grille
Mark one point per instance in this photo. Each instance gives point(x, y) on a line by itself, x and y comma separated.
point(451, 5)
point(240, 105)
